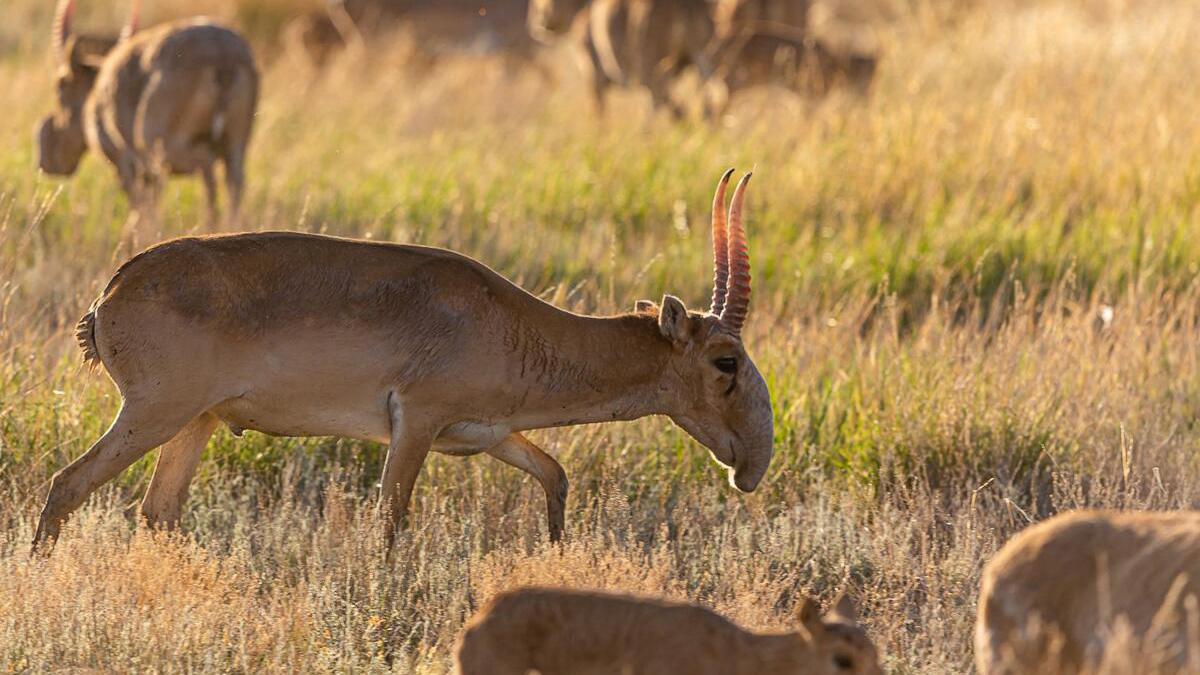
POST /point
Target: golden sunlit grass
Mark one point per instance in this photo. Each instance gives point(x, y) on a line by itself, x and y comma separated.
point(975, 302)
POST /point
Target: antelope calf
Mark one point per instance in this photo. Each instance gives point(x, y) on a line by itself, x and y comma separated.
point(173, 99)
point(1054, 597)
point(422, 348)
point(562, 632)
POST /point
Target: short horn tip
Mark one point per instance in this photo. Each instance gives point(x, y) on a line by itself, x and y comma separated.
point(728, 174)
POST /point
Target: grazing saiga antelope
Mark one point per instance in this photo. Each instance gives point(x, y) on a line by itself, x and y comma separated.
point(1051, 598)
point(744, 17)
point(422, 348)
point(564, 632)
point(803, 65)
point(172, 99)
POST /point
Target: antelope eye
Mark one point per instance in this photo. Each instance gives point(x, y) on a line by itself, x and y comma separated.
point(726, 364)
point(843, 662)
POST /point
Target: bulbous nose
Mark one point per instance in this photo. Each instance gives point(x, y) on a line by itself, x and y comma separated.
point(753, 458)
point(751, 467)
point(746, 481)
point(58, 155)
point(45, 129)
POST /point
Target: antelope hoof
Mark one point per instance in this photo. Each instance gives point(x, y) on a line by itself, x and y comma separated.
point(556, 506)
point(46, 534)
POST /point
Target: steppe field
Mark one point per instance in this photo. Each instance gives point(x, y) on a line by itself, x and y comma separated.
point(976, 303)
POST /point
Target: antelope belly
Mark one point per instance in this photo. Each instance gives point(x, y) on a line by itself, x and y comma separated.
point(469, 438)
point(362, 417)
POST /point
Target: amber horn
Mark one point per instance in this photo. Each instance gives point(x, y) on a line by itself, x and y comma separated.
point(62, 27)
point(720, 241)
point(135, 20)
point(737, 301)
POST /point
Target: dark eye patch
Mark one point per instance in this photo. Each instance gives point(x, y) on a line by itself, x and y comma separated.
point(726, 364)
point(843, 662)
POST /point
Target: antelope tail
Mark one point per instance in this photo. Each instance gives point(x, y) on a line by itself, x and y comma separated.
point(85, 335)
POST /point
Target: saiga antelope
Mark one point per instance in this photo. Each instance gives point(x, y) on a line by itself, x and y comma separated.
point(804, 65)
point(1054, 596)
point(734, 18)
point(564, 632)
point(632, 43)
point(172, 99)
point(437, 28)
point(303, 335)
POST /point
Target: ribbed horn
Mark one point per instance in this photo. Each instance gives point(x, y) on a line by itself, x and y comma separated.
point(737, 301)
point(720, 239)
point(62, 26)
point(135, 20)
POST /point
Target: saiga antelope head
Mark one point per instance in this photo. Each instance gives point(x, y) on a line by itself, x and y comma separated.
point(61, 137)
point(720, 398)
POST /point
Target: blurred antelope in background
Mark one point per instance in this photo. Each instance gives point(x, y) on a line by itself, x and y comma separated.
point(1072, 593)
point(632, 43)
point(807, 66)
point(436, 29)
point(734, 18)
point(564, 632)
point(762, 43)
point(172, 99)
point(421, 348)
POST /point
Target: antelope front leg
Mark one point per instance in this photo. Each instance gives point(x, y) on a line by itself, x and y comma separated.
point(410, 444)
point(210, 194)
point(518, 451)
point(716, 99)
point(132, 173)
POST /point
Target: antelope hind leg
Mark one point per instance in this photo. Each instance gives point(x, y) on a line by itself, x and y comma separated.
point(138, 429)
point(518, 451)
point(177, 461)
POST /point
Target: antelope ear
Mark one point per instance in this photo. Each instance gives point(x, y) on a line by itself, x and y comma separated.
point(673, 320)
point(645, 307)
point(83, 55)
point(844, 609)
point(808, 613)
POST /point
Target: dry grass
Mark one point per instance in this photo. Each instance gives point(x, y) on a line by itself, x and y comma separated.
point(934, 267)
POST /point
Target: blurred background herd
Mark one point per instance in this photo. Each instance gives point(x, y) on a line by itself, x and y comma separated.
point(722, 46)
